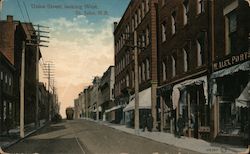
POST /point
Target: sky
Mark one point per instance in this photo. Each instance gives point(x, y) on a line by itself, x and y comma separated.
point(81, 43)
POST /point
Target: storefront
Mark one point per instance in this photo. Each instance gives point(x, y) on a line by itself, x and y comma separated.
point(231, 100)
point(190, 100)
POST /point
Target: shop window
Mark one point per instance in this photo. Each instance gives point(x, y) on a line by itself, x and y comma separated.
point(173, 22)
point(231, 32)
point(200, 6)
point(163, 31)
point(163, 71)
point(185, 11)
point(201, 49)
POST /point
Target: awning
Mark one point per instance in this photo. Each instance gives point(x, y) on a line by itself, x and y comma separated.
point(244, 97)
point(231, 70)
point(144, 101)
point(113, 108)
point(177, 87)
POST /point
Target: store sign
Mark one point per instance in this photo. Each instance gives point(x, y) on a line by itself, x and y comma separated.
point(233, 60)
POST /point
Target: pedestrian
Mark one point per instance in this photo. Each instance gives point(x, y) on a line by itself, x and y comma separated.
point(144, 122)
point(149, 122)
point(180, 125)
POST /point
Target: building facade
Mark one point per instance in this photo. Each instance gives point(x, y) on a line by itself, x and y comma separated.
point(231, 72)
point(7, 97)
point(136, 29)
point(106, 89)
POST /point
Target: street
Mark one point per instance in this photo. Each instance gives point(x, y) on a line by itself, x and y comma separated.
point(82, 136)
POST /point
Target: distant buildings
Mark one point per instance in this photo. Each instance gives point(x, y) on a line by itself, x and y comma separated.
point(193, 64)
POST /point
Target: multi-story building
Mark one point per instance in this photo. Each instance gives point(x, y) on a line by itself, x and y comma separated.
point(7, 97)
point(13, 36)
point(43, 102)
point(106, 89)
point(77, 108)
point(230, 80)
point(137, 29)
point(183, 63)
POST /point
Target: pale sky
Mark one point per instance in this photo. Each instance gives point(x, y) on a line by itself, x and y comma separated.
point(81, 45)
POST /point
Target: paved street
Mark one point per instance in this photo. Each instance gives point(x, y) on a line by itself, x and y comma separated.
point(81, 136)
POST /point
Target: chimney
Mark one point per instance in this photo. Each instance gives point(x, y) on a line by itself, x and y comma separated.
point(115, 25)
point(9, 18)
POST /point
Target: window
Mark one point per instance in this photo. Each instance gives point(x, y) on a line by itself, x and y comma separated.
point(127, 80)
point(1, 75)
point(136, 20)
point(133, 78)
point(10, 82)
point(147, 69)
point(133, 24)
point(200, 6)
point(147, 5)
point(173, 22)
point(201, 49)
point(147, 36)
point(163, 31)
point(139, 15)
point(174, 66)
point(186, 11)
point(142, 9)
point(143, 39)
point(163, 71)
point(139, 74)
point(143, 72)
point(6, 78)
point(186, 60)
point(231, 32)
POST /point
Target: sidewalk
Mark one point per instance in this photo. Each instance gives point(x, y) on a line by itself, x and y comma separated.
point(183, 142)
point(14, 134)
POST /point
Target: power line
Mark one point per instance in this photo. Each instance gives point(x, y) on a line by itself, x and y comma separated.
point(26, 11)
point(20, 9)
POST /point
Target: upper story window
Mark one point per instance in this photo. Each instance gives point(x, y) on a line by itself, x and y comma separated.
point(10, 81)
point(133, 24)
point(173, 22)
point(147, 36)
point(147, 5)
point(201, 49)
point(163, 71)
point(133, 78)
point(186, 60)
point(139, 15)
point(174, 64)
point(147, 69)
point(127, 80)
point(142, 9)
point(143, 39)
point(139, 74)
point(1, 75)
point(136, 20)
point(143, 71)
point(163, 31)
point(231, 32)
point(200, 6)
point(185, 11)
point(6, 78)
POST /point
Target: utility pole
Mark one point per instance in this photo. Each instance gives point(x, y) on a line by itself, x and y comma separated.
point(38, 44)
point(136, 86)
point(49, 74)
point(22, 92)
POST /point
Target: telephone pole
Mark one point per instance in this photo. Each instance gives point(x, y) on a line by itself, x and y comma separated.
point(49, 74)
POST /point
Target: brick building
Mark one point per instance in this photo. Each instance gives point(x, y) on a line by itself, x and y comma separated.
point(183, 64)
point(230, 80)
point(139, 19)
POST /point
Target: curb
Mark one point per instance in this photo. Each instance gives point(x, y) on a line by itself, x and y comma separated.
point(6, 146)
